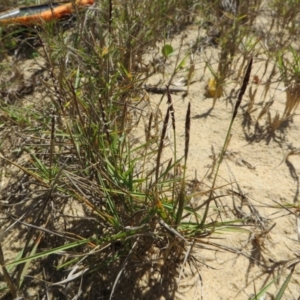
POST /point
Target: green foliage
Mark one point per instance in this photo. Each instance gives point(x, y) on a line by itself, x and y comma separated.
point(83, 155)
point(167, 50)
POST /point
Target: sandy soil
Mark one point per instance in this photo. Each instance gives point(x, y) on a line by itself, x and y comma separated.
point(261, 173)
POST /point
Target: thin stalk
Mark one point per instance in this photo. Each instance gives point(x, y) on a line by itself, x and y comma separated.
point(7, 277)
point(181, 197)
point(172, 113)
point(51, 147)
point(222, 154)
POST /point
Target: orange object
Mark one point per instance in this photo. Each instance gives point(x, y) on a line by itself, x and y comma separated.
point(41, 13)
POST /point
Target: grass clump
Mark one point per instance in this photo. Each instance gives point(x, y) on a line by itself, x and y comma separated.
point(83, 159)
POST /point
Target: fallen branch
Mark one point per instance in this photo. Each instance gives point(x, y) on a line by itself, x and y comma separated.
point(163, 90)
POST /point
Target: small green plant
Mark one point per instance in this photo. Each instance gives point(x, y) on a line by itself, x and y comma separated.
point(288, 64)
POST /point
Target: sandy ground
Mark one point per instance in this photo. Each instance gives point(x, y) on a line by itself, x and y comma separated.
point(259, 174)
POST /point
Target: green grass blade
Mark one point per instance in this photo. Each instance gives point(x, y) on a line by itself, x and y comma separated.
point(263, 290)
point(284, 286)
point(48, 252)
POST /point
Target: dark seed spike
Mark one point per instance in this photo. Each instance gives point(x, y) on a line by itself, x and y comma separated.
point(170, 103)
point(187, 131)
point(243, 89)
point(161, 144)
